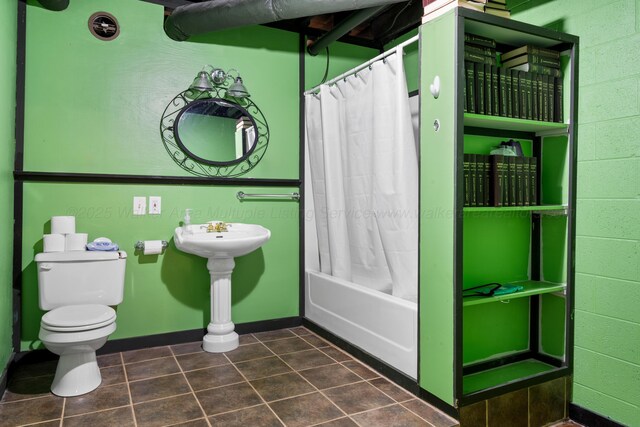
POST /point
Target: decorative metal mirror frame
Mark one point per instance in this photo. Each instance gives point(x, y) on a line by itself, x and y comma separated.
point(209, 168)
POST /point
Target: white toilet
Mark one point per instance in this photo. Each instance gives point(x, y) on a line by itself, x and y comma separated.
point(78, 288)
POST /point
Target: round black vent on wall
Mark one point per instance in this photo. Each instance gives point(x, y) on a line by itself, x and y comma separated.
point(104, 26)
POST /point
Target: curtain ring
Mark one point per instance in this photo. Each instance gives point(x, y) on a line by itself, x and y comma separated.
point(370, 67)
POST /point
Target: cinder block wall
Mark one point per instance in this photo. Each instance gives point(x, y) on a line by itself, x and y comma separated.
point(607, 341)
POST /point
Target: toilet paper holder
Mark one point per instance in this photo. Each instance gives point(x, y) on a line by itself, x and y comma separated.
point(140, 245)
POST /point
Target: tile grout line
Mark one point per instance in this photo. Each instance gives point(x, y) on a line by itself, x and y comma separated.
point(255, 391)
point(64, 404)
point(126, 378)
point(190, 388)
point(319, 391)
point(415, 413)
point(95, 412)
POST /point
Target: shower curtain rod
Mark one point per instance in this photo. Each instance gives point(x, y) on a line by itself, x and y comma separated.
point(383, 55)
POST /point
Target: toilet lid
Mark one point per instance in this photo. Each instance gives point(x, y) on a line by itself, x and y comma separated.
point(78, 317)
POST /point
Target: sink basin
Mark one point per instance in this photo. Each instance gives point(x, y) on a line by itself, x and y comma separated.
point(241, 239)
point(220, 248)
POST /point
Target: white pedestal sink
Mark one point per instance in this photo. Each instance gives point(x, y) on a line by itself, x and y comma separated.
point(220, 248)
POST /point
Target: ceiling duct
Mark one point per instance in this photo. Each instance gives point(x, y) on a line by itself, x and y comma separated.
point(56, 5)
point(214, 15)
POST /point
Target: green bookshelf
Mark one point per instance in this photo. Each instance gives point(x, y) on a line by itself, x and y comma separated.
point(550, 208)
point(506, 123)
point(531, 287)
point(504, 375)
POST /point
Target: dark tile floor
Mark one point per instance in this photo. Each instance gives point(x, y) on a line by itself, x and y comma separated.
point(287, 377)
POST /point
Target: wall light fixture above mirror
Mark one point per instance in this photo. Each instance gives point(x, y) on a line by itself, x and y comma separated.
point(217, 77)
point(213, 129)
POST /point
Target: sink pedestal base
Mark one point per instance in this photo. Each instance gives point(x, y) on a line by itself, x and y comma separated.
point(221, 336)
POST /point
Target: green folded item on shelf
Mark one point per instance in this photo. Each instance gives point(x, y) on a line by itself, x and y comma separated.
point(492, 289)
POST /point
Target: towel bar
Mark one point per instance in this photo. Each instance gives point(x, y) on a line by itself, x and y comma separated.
point(294, 196)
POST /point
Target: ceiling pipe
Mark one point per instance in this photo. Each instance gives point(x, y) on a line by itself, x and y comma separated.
point(343, 27)
point(55, 5)
point(214, 15)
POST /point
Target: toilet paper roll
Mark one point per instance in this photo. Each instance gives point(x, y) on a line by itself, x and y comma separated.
point(63, 224)
point(53, 242)
point(75, 242)
point(152, 247)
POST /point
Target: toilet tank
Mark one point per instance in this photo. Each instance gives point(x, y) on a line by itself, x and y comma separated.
point(80, 277)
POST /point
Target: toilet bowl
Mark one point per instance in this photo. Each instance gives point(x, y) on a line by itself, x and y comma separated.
point(75, 332)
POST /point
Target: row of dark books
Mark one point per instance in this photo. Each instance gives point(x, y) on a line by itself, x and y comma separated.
point(528, 85)
point(498, 181)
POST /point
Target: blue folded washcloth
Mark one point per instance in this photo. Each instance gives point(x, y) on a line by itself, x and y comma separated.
point(102, 246)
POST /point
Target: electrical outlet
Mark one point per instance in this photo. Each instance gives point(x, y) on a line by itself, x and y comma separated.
point(139, 205)
point(155, 204)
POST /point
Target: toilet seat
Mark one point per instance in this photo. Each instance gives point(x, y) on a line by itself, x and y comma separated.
point(77, 318)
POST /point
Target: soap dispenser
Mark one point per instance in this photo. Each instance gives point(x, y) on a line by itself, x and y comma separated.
point(186, 221)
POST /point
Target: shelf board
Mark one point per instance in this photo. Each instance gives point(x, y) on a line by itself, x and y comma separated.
point(514, 208)
point(530, 288)
point(507, 123)
point(503, 375)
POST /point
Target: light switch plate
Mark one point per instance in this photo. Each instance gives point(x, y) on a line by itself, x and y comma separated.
point(155, 205)
point(139, 205)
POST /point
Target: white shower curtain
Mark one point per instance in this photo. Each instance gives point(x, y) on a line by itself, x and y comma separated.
point(364, 171)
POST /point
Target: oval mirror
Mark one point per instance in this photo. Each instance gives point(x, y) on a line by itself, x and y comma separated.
point(215, 131)
point(212, 136)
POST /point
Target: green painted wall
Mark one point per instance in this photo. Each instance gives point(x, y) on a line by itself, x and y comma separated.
point(95, 107)
point(342, 58)
point(100, 102)
point(607, 333)
point(8, 32)
point(168, 292)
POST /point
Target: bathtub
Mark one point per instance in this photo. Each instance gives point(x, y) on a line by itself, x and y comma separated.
point(380, 324)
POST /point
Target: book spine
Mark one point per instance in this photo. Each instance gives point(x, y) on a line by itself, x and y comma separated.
point(473, 188)
point(515, 94)
point(480, 88)
point(519, 181)
point(481, 59)
point(488, 91)
point(522, 93)
point(533, 181)
point(502, 78)
point(526, 185)
point(545, 53)
point(558, 103)
point(534, 96)
point(496, 185)
point(504, 173)
point(479, 40)
point(552, 100)
point(470, 85)
point(495, 86)
point(466, 183)
point(545, 62)
point(479, 180)
point(480, 50)
point(507, 78)
point(545, 98)
point(487, 180)
point(511, 181)
point(548, 71)
point(529, 82)
point(540, 96)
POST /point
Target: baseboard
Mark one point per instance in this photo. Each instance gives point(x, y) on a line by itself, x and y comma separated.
point(181, 337)
point(586, 417)
point(170, 338)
